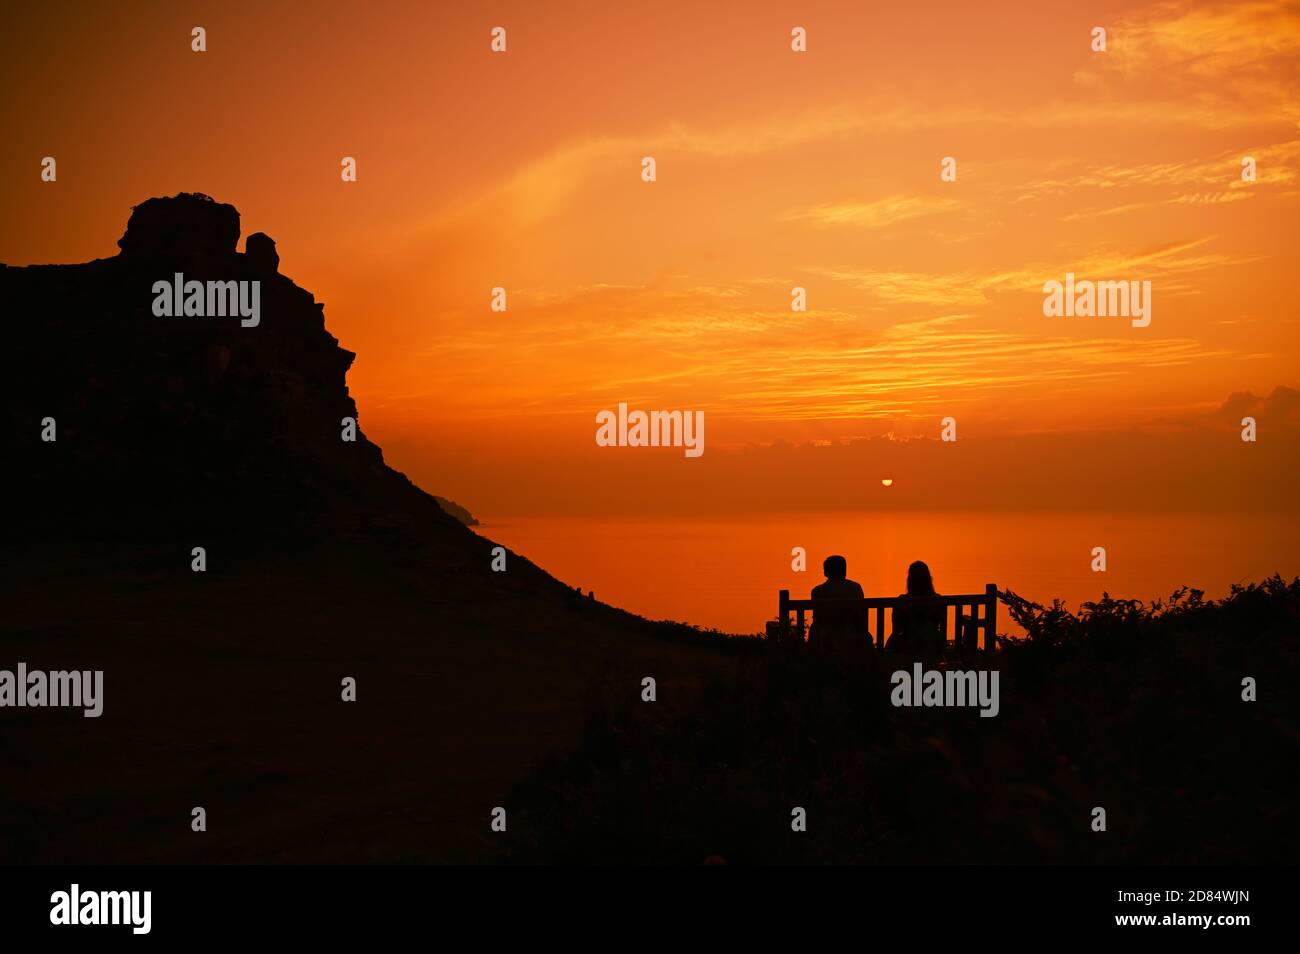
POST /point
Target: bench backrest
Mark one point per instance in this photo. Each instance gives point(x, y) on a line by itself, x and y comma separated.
point(971, 613)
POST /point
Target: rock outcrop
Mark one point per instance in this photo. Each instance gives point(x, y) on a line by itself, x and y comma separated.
point(260, 253)
point(164, 426)
point(456, 510)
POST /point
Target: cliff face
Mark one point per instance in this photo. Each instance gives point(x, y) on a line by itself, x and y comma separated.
point(221, 423)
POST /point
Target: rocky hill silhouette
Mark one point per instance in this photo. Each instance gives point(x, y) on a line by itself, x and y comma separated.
point(183, 423)
point(222, 687)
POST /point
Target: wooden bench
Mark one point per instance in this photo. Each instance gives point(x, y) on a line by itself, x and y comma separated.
point(968, 620)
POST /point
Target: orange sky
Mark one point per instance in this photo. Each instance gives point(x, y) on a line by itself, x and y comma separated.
point(775, 169)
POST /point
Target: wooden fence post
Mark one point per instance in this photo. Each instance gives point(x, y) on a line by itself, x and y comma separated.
point(991, 628)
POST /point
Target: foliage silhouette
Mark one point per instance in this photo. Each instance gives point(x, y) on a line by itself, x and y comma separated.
point(1135, 708)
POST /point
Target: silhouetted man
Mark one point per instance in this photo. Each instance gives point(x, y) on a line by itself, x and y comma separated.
point(838, 625)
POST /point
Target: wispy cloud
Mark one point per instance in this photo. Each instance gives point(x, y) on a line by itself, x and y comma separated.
point(943, 290)
point(1235, 59)
point(722, 354)
point(875, 214)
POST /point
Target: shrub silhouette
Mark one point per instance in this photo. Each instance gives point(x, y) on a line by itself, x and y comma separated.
point(1136, 708)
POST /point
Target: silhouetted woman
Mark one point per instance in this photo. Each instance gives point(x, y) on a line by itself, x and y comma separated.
point(918, 625)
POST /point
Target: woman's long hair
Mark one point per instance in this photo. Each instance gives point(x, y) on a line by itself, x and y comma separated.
point(919, 581)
